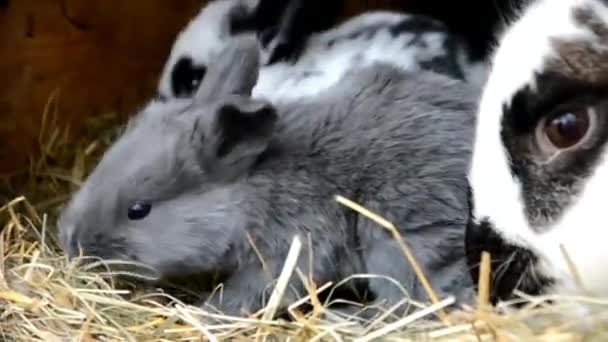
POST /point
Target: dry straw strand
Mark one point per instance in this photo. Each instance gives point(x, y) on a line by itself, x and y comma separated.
point(485, 270)
point(283, 280)
point(406, 250)
point(407, 320)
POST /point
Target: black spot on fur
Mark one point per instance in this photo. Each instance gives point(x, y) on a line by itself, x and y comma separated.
point(417, 41)
point(511, 265)
point(444, 65)
point(417, 25)
point(420, 27)
point(241, 20)
point(297, 20)
point(4, 4)
point(186, 77)
point(355, 35)
point(450, 46)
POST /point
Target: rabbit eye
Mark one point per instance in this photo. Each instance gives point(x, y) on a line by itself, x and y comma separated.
point(565, 130)
point(186, 77)
point(139, 210)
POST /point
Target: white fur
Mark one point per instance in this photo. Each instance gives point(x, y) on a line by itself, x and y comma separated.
point(281, 82)
point(521, 52)
point(203, 37)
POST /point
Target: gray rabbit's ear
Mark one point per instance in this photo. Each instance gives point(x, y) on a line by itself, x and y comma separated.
point(238, 133)
point(234, 71)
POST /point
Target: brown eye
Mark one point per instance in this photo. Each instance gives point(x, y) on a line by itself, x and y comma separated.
point(567, 129)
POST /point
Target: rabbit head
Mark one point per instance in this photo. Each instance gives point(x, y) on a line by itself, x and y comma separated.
point(539, 170)
point(202, 38)
point(165, 194)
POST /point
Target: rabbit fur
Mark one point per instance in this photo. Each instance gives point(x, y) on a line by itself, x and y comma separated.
point(538, 205)
point(224, 169)
point(412, 42)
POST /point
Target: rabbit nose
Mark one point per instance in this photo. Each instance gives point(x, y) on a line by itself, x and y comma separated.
point(73, 248)
point(68, 241)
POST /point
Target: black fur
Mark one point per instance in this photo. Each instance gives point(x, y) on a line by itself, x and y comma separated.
point(295, 20)
point(554, 92)
point(478, 21)
point(548, 188)
point(443, 65)
point(369, 32)
point(418, 24)
point(511, 265)
point(241, 20)
point(298, 19)
point(186, 77)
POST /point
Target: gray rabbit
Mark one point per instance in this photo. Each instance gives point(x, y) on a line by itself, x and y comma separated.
point(192, 182)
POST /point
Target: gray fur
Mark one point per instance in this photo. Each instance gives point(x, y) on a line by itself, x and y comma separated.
point(227, 165)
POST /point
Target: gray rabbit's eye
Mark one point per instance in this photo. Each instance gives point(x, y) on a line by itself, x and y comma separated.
point(186, 77)
point(139, 210)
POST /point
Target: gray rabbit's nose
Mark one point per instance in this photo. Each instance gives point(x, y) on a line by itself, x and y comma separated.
point(67, 239)
point(71, 246)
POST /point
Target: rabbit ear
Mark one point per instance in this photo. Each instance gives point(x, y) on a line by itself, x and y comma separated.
point(239, 131)
point(234, 71)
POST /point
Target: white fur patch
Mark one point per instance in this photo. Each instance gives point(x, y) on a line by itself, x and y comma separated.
point(521, 52)
point(283, 82)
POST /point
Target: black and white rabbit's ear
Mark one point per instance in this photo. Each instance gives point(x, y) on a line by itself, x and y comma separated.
point(229, 141)
point(234, 72)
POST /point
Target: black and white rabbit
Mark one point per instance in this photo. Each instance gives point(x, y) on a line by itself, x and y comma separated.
point(539, 173)
point(412, 42)
point(189, 180)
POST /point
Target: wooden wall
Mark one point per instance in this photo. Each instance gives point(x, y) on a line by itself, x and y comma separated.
point(98, 56)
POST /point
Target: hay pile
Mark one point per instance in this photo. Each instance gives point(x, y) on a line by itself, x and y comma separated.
point(44, 297)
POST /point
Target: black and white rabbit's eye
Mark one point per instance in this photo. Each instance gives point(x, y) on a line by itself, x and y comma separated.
point(186, 77)
point(565, 130)
point(139, 210)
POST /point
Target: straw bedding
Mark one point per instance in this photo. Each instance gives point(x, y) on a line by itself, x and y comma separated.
point(45, 297)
